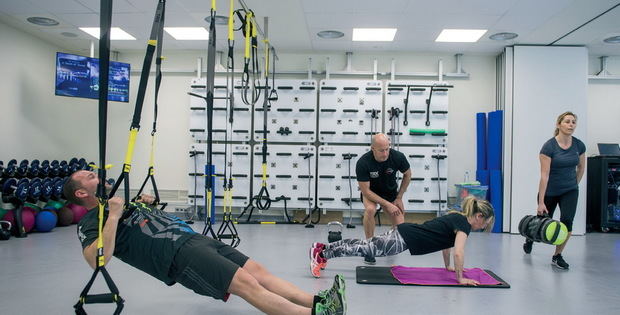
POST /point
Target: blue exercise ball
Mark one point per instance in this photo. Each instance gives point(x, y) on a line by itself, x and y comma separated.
point(46, 221)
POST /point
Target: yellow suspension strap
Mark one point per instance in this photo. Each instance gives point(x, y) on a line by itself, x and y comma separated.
point(104, 63)
point(250, 93)
point(158, 76)
point(154, 38)
point(227, 229)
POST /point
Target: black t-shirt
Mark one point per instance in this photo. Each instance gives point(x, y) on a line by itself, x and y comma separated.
point(148, 239)
point(382, 176)
point(433, 235)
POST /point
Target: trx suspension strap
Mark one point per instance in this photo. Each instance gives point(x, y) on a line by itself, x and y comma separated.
point(250, 93)
point(263, 201)
point(104, 64)
point(135, 123)
point(151, 169)
point(228, 230)
point(209, 168)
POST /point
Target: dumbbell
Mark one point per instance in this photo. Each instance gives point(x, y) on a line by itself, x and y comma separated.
point(47, 189)
point(10, 169)
point(63, 168)
point(33, 169)
point(54, 168)
point(57, 185)
point(83, 165)
point(44, 168)
point(22, 168)
point(13, 190)
point(34, 190)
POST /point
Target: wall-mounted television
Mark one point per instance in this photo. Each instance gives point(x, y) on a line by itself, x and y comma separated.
point(78, 76)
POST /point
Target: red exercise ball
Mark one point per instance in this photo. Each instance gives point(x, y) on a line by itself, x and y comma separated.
point(65, 216)
point(27, 218)
point(78, 212)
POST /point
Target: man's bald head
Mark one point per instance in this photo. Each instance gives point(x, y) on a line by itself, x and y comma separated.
point(379, 140)
point(380, 146)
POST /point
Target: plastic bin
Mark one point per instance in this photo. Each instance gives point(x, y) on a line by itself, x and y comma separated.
point(462, 191)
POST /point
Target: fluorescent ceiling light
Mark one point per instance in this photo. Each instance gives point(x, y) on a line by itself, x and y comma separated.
point(116, 33)
point(460, 36)
point(374, 34)
point(188, 33)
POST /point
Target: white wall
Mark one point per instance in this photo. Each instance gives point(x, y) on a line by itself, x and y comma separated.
point(468, 97)
point(34, 123)
point(603, 106)
point(546, 82)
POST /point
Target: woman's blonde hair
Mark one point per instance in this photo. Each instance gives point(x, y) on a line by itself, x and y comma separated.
point(472, 205)
point(559, 120)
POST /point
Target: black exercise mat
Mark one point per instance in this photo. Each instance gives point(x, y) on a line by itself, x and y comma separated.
point(383, 275)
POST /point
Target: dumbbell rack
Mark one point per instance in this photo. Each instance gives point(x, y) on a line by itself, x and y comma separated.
point(35, 182)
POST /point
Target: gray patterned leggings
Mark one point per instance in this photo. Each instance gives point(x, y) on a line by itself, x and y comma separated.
point(387, 244)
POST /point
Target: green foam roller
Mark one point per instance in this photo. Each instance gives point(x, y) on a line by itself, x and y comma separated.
point(413, 130)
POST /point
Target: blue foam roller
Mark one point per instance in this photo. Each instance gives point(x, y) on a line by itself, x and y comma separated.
point(210, 176)
point(494, 141)
point(483, 177)
point(496, 198)
point(481, 141)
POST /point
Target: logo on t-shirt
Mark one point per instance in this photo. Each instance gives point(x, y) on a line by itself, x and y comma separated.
point(374, 174)
point(81, 235)
point(389, 171)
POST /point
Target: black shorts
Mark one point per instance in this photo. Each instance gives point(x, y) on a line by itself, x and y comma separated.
point(389, 197)
point(206, 266)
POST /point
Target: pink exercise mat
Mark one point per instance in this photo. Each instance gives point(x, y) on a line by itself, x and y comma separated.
point(439, 276)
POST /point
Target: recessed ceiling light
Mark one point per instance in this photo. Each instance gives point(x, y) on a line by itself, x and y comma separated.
point(219, 20)
point(188, 33)
point(374, 34)
point(460, 35)
point(42, 21)
point(116, 33)
point(330, 34)
point(612, 40)
point(68, 34)
point(503, 36)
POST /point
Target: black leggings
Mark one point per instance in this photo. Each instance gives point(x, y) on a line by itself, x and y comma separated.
point(568, 206)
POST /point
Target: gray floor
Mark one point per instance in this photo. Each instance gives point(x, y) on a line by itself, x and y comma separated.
point(44, 273)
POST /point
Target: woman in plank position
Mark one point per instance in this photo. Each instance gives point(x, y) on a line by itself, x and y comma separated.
point(442, 233)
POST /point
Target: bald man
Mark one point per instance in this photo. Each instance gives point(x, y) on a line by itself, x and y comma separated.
point(376, 177)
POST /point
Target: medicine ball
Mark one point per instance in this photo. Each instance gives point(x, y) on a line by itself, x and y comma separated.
point(65, 216)
point(78, 212)
point(46, 221)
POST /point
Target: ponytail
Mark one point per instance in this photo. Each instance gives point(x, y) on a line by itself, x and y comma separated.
point(471, 206)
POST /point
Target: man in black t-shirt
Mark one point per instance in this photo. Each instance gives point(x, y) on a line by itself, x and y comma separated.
point(168, 249)
point(376, 177)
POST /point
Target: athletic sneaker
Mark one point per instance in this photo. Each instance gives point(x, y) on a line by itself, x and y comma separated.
point(335, 296)
point(370, 260)
point(320, 246)
point(337, 286)
point(527, 246)
point(558, 262)
point(328, 307)
point(316, 261)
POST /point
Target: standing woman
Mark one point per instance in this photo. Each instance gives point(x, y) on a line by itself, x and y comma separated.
point(562, 163)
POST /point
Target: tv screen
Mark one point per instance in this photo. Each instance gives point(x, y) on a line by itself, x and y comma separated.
point(78, 76)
